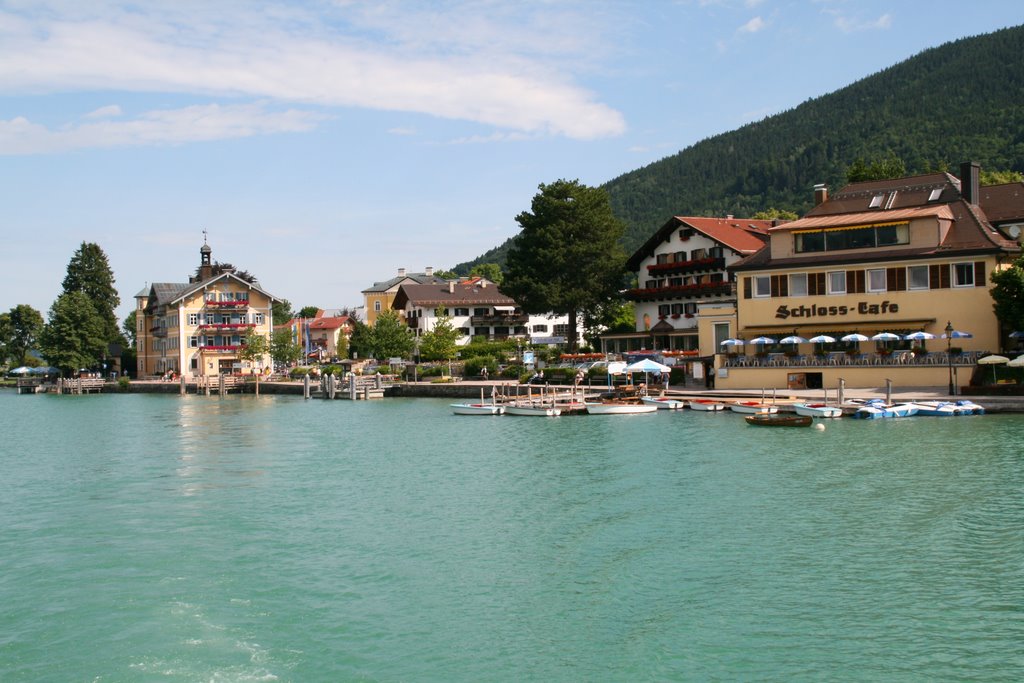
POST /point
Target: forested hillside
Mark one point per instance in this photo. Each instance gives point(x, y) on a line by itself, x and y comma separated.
point(958, 102)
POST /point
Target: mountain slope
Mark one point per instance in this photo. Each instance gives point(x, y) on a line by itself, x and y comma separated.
point(957, 102)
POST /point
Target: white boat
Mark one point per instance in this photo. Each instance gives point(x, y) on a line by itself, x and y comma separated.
point(532, 411)
point(817, 410)
point(753, 408)
point(706, 405)
point(874, 410)
point(937, 409)
point(477, 409)
point(663, 402)
point(614, 408)
point(970, 407)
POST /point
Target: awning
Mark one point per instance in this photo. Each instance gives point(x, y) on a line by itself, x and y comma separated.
point(504, 308)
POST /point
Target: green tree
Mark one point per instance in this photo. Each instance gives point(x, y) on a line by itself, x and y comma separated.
point(89, 272)
point(75, 335)
point(307, 312)
point(254, 349)
point(128, 328)
point(440, 343)
point(19, 332)
point(361, 341)
point(281, 311)
point(283, 348)
point(391, 338)
point(890, 166)
point(568, 258)
point(446, 274)
point(491, 271)
point(772, 214)
point(1008, 295)
point(1001, 177)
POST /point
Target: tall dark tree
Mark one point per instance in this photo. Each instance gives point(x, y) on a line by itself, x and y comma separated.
point(129, 328)
point(21, 328)
point(360, 344)
point(307, 312)
point(391, 337)
point(568, 258)
point(75, 336)
point(441, 342)
point(89, 273)
point(1008, 296)
point(281, 311)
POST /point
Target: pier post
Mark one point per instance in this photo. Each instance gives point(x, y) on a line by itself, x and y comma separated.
point(888, 391)
point(305, 386)
point(206, 384)
point(352, 386)
point(220, 384)
point(841, 392)
point(183, 385)
point(330, 387)
point(380, 381)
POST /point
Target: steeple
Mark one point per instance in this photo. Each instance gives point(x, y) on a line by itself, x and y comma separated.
point(205, 267)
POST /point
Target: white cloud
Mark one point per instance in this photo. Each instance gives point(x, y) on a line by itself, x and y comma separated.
point(848, 25)
point(174, 126)
point(753, 26)
point(110, 111)
point(459, 63)
point(402, 131)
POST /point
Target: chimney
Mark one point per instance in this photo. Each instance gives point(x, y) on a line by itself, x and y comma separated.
point(483, 283)
point(451, 286)
point(401, 272)
point(970, 181)
point(820, 193)
point(728, 216)
point(429, 271)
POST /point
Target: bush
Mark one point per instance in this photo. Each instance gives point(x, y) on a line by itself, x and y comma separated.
point(474, 366)
point(123, 384)
point(298, 373)
point(513, 372)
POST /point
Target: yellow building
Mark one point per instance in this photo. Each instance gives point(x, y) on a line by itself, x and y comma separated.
point(381, 295)
point(197, 328)
point(893, 256)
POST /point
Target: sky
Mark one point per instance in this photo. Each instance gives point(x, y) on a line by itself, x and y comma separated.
point(323, 145)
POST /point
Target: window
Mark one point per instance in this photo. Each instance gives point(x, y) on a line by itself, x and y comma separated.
point(798, 284)
point(876, 201)
point(461, 311)
point(716, 252)
point(762, 286)
point(193, 342)
point(918, 277)
point(680, 256)
point(562, 330)
point(677, 309)
point(464, 331)
point(664, 310)
point(540, 328)
point(697, 254)
point(838, 239)
point(876, 280)
point(663, 258)
point(675, 281)
point(376, 306)
point(651, 284)
point(258, 319)
point(721, 334)
point(963, 274)
point(837, 282)
point(690, 308)
point(481, 311)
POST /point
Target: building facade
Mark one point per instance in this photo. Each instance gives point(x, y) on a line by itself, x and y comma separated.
point(197, 328)
point(680, 268)
point(903, 256)
point(381, 295)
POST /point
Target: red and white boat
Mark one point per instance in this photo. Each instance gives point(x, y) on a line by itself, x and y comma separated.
point(706, 405)
point(753, 408)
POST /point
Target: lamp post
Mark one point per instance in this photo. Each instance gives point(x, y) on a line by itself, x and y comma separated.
point(949, 356)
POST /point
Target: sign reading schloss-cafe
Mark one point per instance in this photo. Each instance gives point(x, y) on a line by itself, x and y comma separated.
point(862, 308)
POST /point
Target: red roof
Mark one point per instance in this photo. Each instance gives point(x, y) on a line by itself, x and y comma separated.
point(328, 323)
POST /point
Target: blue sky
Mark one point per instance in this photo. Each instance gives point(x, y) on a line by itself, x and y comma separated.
point(324, 145)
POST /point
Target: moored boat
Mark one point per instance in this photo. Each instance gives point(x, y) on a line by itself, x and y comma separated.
point(970, 407)
point(874, 410)
point(663, 402)
point(706, 405)
point(817, 410)
point(936, 409)
point(753, 408)
point(619, 408)
point(477, 409)
point(532, 410)
point(769, 420)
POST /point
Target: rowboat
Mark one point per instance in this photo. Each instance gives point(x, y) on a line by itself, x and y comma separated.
point(532, 411)
point(663, 402)
point(817, 410)
point(619, 408)
point(477, 409)
point(706, 405)
point(753, 408)
point(768, 420)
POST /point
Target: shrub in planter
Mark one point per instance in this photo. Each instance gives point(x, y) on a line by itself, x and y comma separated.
point(298, 373)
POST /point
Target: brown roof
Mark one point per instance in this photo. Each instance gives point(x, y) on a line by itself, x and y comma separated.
point(328, 323)
point(441, 295)
point(742, 235)
point(1003, 203)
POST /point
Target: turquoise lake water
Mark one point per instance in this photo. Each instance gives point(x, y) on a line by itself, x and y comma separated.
point(161, 538)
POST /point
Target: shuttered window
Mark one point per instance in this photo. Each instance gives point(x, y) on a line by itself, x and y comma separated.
point(780, 285)
point(979, 273)
point(815, 284)
point(896, 279)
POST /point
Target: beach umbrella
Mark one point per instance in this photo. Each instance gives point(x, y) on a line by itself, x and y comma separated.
point(822, 339)
point(45, 370)
point(993, 360)
point(647, 365)
point(886, 336)
point(1017, 362)
point(855, 337)
point(957, 334)
point(733, 342)
point(1017, 334)
point(919, 336)
point(762, 340)
point(23, 370)
point(793, 339)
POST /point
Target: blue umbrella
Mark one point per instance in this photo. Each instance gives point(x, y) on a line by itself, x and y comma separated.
point(23, 370)
point(733, 342)
point(957, 334)
point(762, 340)
point(822, 339)
point(854, 337)
point(793, 339)
point(1017, 335)
point(886, 336)
point(918, 336)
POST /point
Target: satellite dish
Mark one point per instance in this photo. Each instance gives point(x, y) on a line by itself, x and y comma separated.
point(1013, 231)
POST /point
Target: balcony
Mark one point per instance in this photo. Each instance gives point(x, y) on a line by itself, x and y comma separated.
point(682, 291)
point(683, 267)
point(158, 331)
point(232, 348)
point(215, 303)
point(226, 327)
point(499, 319)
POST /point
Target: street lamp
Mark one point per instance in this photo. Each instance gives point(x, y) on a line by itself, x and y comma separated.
point(949, 356)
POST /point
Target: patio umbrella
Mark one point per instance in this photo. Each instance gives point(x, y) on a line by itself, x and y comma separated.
point(957, 334)
point(854, 337)
point(1017, 362)
point(647, 365)
point(733, 342)
point(918, 336)
point(822, 339)
point(762, 340)
point(993, 360)
point(45, 370)
point(886, 336)
point(23, 370)
point(793, 339)
point(1017, 334)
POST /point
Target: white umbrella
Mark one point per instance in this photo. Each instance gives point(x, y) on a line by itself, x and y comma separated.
point(793, 339)
point(647, 365)
point(23, 370)
point(886, 336)
point(822, 339)
point(762, 340)
point(855, 337)
point(957, 334)
point(918, 336)
point(1017, 362)
point(993, 360)
point(733, 342)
